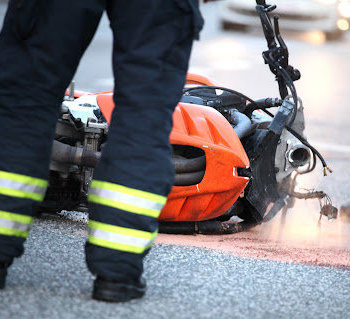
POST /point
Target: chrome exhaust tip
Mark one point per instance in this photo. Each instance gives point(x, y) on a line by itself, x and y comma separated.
point(299, 156)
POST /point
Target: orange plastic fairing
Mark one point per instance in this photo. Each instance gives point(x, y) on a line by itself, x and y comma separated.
point(106, 105)
point(207, 129)
point(78, 93)
point(197, 79)
point(204, 128)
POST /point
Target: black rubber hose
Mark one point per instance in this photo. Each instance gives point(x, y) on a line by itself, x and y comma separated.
point(187, 179)
point(241, 123)
point(184, 165)
point(204, 228)
point(181, 228)
point(90, 158)
point(218, 88)
point(65, 153)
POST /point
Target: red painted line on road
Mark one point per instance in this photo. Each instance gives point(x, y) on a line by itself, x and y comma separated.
point(256, 244)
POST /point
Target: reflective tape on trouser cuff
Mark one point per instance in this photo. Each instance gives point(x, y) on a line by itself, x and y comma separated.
point(120, 238)
point(22, 186)
point(127, 199)
point(14, 224)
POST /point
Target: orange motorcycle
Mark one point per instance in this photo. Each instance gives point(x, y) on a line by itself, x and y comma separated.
point(232, 157)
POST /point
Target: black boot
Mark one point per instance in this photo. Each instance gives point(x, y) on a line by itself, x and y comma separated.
point(118, 291)
point(3, 274)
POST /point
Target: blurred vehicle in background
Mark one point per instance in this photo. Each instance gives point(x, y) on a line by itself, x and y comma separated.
point(330, 16)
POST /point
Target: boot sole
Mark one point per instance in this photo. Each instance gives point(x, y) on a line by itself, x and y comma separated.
point(120, 293)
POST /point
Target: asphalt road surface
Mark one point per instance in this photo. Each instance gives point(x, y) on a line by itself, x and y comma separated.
point(51, 280)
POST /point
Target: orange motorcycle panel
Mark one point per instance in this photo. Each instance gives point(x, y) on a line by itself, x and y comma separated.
point(106, 104)
point(204, 128)
point(197, 80)
point(207, 129)
point(78, 93)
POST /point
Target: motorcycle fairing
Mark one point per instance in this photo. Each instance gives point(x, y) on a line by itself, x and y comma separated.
point(204, 128)
point(208, 130)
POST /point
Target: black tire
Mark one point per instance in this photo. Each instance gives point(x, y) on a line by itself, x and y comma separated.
point(248, 213)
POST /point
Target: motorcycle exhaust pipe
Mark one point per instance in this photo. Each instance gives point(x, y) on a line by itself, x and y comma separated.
point(299, 156)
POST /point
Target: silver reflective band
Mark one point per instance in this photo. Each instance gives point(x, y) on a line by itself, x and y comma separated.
point(22, 186)
point(126, 199)
point(14, 225)
point(120, 238)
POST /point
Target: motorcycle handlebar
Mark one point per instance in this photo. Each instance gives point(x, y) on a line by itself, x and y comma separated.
point(266, 24)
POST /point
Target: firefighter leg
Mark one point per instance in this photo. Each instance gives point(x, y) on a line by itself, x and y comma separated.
point(152, 44)
point(41, 44)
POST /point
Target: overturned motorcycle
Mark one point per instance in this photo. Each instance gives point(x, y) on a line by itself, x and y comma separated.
point(232, 157)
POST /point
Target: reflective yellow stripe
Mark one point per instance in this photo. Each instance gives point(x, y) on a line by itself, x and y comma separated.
point(13, 232)
point(131, 191)
point(127, 199)
point(21, 194)
point(129, 208)
point(115, 246)
point(16, 217)
point(22, 186)
point(14, 224)
point(23, 179)
point(120, 238)
point(121, 230)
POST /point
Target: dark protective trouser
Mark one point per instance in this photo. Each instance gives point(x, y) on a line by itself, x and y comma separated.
point(41, 44)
